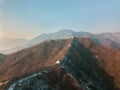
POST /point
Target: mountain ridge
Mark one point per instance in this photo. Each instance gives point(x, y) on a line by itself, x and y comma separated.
point(82, 54)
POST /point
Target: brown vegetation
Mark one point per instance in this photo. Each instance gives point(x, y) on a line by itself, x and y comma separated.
point(47, 53)
point(107, 58)
point(31, 59)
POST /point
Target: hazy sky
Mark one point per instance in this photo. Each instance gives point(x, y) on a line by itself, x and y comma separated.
point(28, 18)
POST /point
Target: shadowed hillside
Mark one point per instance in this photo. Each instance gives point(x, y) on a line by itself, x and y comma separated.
point(108, 59)
point(82, 64)
point(2, 57)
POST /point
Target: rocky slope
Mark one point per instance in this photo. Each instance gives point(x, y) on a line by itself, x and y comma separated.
point(57, 79)
point(84, 65)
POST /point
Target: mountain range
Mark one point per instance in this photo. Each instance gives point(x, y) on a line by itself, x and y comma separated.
point(72, 63)
point(7, 45)
point(105, 39)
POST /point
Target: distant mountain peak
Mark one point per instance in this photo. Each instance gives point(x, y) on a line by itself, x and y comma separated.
point(65, 30)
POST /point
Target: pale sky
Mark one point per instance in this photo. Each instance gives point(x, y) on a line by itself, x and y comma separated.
point(29, 18)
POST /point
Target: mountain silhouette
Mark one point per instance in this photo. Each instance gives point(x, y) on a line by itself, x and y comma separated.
point(111, 40)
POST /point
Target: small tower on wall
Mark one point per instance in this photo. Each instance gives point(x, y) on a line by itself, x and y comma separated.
point(58, 62)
